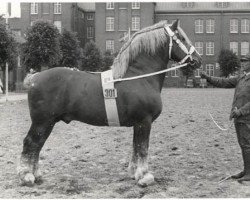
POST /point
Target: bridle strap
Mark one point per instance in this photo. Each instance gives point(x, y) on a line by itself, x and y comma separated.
point(170, 46)
point(172, 37)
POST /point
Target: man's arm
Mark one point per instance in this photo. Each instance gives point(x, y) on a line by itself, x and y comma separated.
point(221, 82)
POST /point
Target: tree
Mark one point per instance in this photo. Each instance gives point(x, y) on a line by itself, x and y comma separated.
point(229, 62)
point(42, 47)
point(71, 51)
point(107, 61)
point(8, 50)
point(91, 57)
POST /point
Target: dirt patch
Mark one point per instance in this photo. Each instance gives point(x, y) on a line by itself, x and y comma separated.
point(189, 155)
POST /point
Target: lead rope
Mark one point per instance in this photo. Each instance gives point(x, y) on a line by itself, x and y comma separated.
point(215, 122)
point(222, 129)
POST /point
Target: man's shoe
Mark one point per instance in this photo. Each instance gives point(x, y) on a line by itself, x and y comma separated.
point(246, 159)
point(239, 175)
point(244, 178)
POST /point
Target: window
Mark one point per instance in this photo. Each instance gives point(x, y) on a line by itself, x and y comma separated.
point(14, 9)
point(210, 48)
point(188, 4)
point(210, 26)
point(110, 5)
point(90, 17)
point(244, 48)
point(199, 47)
point(234, 26)
point(34, 8)
point(222, 4)
point(198, 71)
point(58, 25)
point(245, 26)
point(175, 73)
point(90, 32)
point(199, 26)
point(57, 8)
point(210, 69)
point(110, 46)
point(135, 5)
point(234, 47)
point(135, 23)
point(110, 24)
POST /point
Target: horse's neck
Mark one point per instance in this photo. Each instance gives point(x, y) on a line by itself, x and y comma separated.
point(145, 64)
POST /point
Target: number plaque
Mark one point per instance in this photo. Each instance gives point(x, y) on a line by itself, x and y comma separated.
point(110, 93)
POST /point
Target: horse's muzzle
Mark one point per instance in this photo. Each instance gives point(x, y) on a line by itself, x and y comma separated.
point(194, 63)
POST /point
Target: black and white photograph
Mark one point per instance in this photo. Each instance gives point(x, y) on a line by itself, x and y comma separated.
point(124, 99)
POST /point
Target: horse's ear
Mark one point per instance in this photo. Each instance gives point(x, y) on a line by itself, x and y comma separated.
point(175, 25)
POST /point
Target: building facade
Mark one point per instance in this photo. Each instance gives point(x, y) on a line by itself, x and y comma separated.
point(113, 21)
point(69, 16)
point(88, 32)
point(211, 26)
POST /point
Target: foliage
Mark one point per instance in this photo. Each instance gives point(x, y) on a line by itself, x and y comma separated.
point(42, 47)
point(92, 59)
point(71, 51)
point(229, 62)
point(8, 51)
point(107, 61)
point(8, 48)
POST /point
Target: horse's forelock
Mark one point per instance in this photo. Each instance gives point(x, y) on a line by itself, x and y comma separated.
point(148, 40)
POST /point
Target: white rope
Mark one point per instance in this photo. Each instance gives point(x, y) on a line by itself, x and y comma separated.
point(211, 116)
point(223, 129)
point(147, 75)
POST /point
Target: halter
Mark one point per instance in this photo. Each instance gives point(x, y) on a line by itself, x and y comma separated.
point(173, 36)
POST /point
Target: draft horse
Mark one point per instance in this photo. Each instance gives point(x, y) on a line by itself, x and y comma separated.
point(62, 94)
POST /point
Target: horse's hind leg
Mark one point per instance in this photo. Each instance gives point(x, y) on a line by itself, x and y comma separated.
point(32, 145)
point(139, 161)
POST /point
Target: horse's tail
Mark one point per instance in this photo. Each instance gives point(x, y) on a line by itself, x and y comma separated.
point(29, 80)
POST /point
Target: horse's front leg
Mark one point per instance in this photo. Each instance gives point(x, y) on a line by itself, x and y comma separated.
point(138, 165)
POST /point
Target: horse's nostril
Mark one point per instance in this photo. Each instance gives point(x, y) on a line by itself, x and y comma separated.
point(193, 62)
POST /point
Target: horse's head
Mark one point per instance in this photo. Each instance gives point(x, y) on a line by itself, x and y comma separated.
point(181, 49)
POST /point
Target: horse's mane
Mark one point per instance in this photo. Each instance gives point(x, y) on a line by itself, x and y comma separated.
point(147, 40)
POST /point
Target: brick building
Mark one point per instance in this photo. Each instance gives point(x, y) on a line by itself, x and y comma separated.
point(89, 22)
point(114, 20)
point(211, 26)
point(70, 16)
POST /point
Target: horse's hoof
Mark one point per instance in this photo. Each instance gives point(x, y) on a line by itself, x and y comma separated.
point(29, 179)
point(138, 174)
point(148, 179)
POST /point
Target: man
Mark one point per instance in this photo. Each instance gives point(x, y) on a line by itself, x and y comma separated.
point(240, 111)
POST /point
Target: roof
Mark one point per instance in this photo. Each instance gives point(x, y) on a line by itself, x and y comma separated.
point(200, 6)
point(87, 6)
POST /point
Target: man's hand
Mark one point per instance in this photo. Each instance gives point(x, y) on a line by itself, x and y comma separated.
point(204, 75)
point(235, 113)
